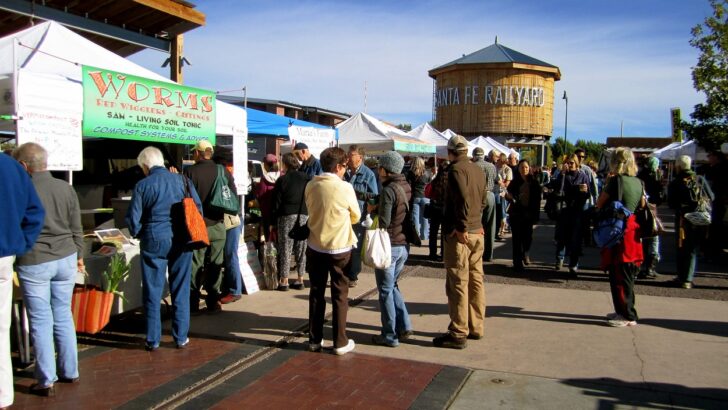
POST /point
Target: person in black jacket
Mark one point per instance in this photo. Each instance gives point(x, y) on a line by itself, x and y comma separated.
point(652, 179)
point(289, 207)
point(524, 194)
point(209, 261)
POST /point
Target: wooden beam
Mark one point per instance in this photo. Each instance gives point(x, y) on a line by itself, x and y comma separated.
point(175, 59)
point(175, 9)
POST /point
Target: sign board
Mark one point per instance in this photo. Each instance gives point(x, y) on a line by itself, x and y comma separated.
point(240, 159)
point(317, 139)
point(250, 267)
point(414, 147)
point(124, 106)
point(53, 123)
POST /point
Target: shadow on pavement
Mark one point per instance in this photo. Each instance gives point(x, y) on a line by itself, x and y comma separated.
point(614, 393)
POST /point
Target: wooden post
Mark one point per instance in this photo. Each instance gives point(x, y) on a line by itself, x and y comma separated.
point(175, 59)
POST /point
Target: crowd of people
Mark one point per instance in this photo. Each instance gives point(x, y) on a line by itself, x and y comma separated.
point(463, 205)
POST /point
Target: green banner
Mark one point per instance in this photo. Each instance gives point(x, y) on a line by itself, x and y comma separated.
point(413, 147)
point(124, 106)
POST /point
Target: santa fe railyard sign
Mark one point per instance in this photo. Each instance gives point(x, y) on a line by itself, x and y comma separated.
point(124, 106)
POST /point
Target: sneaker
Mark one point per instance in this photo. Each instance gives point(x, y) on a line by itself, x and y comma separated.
point(353, 283)
point(184, 344)
point(230, 299)
point(406, 335)
point(573, 270)
point(381, 341)
point(687, 285)
point(339, 351)
point(150, 347)
point(611, 316)
point(449, 341)
point(315, 347)
point(619, 321)
point(559, 264)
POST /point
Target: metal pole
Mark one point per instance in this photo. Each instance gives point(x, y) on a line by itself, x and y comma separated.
point(566, 119)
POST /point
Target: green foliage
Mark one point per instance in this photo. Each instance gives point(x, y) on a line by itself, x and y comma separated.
point(116, 273)
point(405, 127)
point(593, 149)
point(709, 124)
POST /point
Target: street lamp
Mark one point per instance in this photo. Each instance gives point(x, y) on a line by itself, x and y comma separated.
point(566, 118)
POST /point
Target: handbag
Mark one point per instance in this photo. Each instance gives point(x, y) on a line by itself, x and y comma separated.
point(91, 308)
point(300, 232)
point(222, 197)
point(231, 221)
point(196, 228)
point(650, 224)
point(376, 251)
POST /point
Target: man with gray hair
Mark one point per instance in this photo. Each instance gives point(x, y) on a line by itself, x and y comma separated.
point(20, 224)
point(47, 274)
point(488, 220)
point(156, 218)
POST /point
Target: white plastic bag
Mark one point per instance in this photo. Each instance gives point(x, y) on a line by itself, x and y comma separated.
point(377, 250)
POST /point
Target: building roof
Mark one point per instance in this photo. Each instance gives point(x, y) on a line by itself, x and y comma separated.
point(639, 143)
point(306, 108)
point(497, 54)
point(122, 26)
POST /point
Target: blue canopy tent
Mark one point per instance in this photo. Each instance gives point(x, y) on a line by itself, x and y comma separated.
point(265, 123)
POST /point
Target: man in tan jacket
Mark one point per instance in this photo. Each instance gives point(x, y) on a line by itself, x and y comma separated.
point(462, 231)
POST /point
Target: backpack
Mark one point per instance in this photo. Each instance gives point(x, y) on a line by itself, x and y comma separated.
point(700, 202)
point(409, 228)
point(611, 221)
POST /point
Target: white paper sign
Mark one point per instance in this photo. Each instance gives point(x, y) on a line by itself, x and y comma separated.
point(240, 159)
point(51, 119)
point(249, 266)
point(317, 139)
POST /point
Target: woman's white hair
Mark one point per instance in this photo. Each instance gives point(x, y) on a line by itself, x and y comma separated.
point(150, 157)
point(683, 162)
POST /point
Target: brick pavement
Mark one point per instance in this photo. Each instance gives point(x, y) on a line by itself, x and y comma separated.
point(323, 381)
point(115, 376)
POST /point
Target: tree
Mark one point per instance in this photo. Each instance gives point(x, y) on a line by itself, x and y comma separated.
point(557, 149)
point(593, 149)
point(709, 125)
point(405, 127)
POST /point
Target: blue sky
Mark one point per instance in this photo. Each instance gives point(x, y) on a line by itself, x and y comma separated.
point(621, 61)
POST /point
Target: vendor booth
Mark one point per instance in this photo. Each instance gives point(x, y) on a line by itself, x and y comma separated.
point(63, 91)
point(676, 149)
point(377, 137)
point(429, 135)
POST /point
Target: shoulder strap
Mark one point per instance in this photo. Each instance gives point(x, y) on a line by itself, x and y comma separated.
point(300, 204)
point(185, 182)
point(619, 188)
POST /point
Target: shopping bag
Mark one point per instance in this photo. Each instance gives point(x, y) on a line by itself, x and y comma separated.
point(194, 223)
point(270, 265)
point(377, 249)
point(222, 198)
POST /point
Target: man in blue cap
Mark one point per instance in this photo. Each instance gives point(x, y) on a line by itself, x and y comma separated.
point(309, 164)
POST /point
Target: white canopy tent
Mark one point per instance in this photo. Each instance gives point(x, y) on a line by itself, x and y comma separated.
point(47, 59)
point(428, 134)
point(488, 144)
point(675, 149)
point(378, 137)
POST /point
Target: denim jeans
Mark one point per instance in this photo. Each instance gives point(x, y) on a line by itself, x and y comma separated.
point(47, 291)
point(157, 254)
point(651, 251)
point(233, 277)
point(418, 215)
point(395, 319)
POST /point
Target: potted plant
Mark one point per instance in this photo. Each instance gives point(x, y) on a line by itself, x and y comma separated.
point(91, 305)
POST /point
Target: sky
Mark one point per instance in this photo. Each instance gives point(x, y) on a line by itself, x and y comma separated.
point(621, 62)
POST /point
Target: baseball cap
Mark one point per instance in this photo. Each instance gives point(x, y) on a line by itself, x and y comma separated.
point(300, 145)
point(203, 145)
point(478, 152)
point(457, 143)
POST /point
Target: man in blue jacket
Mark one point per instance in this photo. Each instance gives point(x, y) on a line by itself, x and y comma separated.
point(365, 186)
point(20, 224)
